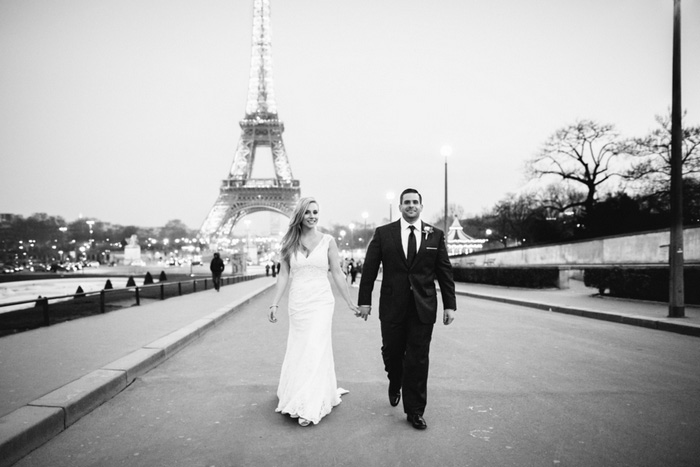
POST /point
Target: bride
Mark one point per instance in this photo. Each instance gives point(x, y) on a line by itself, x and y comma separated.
point(308, 389)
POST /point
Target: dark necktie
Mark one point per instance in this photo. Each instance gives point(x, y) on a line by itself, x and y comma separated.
point(411, 246)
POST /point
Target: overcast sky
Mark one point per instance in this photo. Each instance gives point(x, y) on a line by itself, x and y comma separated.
point(127, 111)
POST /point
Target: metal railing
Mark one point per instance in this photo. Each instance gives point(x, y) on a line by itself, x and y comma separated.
point(80, 304)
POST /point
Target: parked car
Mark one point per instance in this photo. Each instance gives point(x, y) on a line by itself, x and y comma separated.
point(38, 267)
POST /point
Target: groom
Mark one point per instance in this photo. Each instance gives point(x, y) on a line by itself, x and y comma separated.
point(413, 255)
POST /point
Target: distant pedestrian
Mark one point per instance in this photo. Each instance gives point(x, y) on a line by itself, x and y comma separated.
point(353, 272)
point(217, 267)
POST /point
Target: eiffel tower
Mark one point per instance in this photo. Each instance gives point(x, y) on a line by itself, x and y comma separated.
point(240, 194)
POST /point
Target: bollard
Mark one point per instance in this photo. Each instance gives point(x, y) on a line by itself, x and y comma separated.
point(162, 291)
point(194, 285)
point(179, 288)
point(102, 301)
point(45, 310)
point(138, 299)
point(205, 284)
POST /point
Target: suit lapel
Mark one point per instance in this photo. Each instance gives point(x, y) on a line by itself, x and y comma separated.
point(396, 238)
point(423, 240)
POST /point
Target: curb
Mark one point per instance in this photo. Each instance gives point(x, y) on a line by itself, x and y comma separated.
point(661, 324)
point(28, 427)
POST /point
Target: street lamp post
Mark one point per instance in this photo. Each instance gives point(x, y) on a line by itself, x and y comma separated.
point(90, 240)
point(676, 305)
point(390, 198)
point(352, 237)
point(446, 151)
point(247, 243)
point(342, 239)
point(63, 241)
point(365, 215)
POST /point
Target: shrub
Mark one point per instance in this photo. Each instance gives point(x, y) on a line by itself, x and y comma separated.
point(534, 278)
point(642, 283)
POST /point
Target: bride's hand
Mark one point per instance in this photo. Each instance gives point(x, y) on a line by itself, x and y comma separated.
point(271, 314)
point(355, 309)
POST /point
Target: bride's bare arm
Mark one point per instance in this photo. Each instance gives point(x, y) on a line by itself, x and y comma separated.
point(280, 288)
point(338, 276)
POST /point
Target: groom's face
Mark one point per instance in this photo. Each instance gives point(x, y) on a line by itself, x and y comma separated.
point(411, 207)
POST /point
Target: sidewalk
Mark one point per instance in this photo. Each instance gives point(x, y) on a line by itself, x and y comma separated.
point(53, 376)
point(583, 301)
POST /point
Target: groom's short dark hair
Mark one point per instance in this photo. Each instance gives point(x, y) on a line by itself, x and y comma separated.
point(410, 190)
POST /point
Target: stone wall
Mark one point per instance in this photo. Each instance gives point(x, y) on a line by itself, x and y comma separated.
point(646, 248)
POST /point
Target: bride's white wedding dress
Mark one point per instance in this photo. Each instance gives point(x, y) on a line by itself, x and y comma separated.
point(308, 388)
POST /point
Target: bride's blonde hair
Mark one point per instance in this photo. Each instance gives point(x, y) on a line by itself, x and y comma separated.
point(291, 242)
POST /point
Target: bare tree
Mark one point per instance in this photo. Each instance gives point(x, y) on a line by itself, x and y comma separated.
point(651, 165)
point(557, 199)
point(513, 214)
point(454, 210)
point(581, 154)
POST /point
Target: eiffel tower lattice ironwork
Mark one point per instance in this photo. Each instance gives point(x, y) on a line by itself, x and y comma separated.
point(240, 194)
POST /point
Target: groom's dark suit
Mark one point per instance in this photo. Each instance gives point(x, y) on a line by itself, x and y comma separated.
point(407, 304)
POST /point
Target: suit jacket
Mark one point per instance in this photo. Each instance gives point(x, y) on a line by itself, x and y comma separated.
point(401, 281)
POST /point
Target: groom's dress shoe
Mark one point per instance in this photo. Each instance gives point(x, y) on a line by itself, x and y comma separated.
point(417, 421)
point(394, 397)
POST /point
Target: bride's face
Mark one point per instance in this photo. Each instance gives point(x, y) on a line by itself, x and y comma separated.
point(310, 216)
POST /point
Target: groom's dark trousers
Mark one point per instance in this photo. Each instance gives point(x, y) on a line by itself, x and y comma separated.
point(405, 350)
point(407, 305)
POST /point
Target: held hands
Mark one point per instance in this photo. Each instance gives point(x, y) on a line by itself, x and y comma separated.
point(364, 312)
point(355, 309)
point(448, 317)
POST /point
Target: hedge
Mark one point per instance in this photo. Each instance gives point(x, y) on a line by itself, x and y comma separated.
point(642, 283)
point(534, 278)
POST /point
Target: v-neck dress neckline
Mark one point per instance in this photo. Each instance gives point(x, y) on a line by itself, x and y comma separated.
point(312, 250)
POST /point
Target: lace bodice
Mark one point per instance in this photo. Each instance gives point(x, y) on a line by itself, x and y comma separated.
point(313, 266)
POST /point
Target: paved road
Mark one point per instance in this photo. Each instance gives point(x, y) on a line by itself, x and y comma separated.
point(509, 386)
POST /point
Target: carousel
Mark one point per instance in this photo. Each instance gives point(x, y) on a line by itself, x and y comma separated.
point(459, 243)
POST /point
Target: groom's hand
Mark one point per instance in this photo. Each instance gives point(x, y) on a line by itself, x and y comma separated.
point(448, 317)
point(365, 310)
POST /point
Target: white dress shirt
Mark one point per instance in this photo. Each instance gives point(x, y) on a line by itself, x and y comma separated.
point(405, 231)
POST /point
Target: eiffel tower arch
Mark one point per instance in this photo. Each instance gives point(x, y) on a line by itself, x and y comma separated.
point(239, 194)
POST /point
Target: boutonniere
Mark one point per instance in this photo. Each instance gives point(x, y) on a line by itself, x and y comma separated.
point(427, 230)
